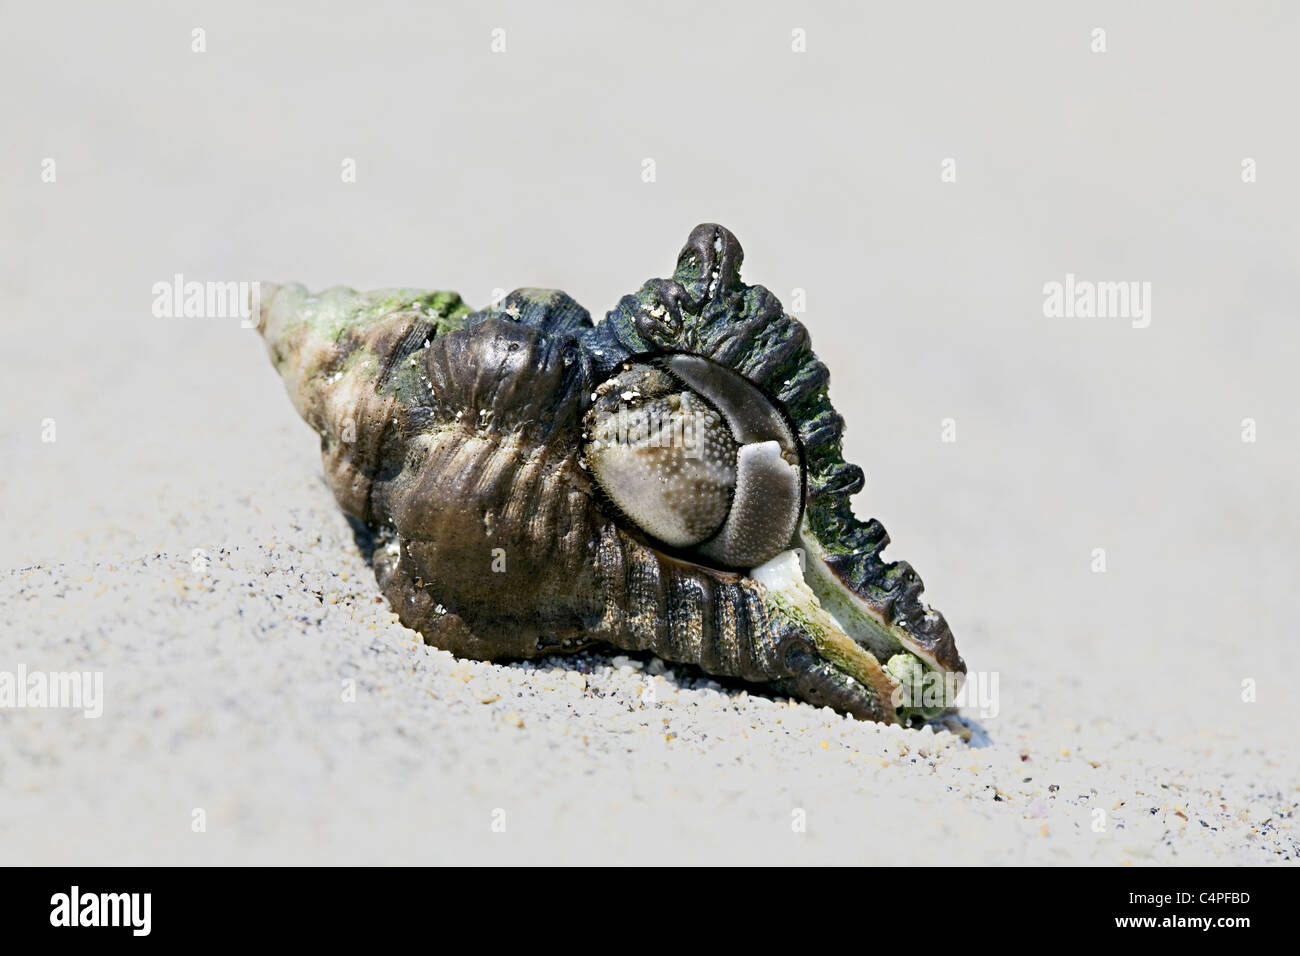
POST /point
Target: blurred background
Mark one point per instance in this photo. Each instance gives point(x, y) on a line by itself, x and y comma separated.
point(920, 171)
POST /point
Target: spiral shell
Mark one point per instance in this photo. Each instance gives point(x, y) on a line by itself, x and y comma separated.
point(513, 467)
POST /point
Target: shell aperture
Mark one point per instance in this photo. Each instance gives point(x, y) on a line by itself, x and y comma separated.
point(697, 458)
point(669, 479)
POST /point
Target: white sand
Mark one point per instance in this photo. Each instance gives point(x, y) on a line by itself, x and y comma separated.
point(1122, 735)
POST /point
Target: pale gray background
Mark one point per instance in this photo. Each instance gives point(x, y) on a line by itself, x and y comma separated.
point(479, 170)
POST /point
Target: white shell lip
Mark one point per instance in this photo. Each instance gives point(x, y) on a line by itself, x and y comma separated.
point(826, 611)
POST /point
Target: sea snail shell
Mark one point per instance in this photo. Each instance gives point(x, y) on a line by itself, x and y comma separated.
point(666, 480)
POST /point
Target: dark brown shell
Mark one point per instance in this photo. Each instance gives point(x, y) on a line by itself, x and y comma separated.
point(455, 438)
